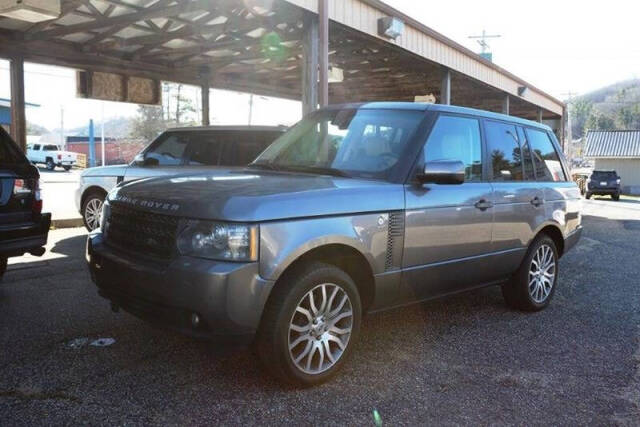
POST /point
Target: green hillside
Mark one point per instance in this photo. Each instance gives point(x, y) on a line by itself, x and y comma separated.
point(613, 107)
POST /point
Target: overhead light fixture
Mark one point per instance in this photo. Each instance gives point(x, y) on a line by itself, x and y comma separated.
point(522, 90)
point(390, 27)
point(336, 75)
point(30, 10)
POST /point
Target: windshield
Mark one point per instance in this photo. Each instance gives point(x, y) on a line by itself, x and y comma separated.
point(349, 142)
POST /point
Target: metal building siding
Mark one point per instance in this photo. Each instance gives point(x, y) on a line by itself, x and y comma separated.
point(363, 17)
point(616, 144)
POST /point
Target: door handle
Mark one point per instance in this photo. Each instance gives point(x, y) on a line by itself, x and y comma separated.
point(483, 204)
point(537, 201)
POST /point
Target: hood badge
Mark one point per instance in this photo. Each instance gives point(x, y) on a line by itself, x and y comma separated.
point(151, 204)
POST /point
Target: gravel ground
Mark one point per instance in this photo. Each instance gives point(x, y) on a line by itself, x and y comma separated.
point(465, 359)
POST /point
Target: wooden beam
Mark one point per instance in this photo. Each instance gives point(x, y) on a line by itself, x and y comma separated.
point(130, 18)
point(310, 64)
point(323, 48)
point(18, 116)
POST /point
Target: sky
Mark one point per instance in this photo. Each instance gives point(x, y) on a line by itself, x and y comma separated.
point(559, 46)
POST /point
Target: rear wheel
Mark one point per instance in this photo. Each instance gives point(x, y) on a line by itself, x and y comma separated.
point(3, 266)
point(50, 165)
point(310, 325)
point(67, 168)
point(534, 284)
point(92, 210)
point(587, 196)
point(615, 197)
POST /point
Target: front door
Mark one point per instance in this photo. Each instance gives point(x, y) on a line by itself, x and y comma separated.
point(448, 227)
point(164, 157)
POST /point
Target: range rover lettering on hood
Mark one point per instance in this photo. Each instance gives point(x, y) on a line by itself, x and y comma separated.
point(147, 203)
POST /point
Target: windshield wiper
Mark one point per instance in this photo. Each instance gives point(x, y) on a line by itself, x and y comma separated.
point(318, 170)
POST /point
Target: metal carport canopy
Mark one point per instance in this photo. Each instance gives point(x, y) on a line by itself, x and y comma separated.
point(245, 46)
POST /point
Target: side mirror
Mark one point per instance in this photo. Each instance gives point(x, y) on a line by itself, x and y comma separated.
point(442, 172)
point(138, 160)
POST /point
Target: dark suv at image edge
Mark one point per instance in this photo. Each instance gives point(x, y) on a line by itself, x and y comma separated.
point(23, 228)
point(357, 208)
point(603, 183)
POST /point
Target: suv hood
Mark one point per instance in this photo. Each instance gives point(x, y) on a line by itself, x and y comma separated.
point(252, 196)
point(114, 170)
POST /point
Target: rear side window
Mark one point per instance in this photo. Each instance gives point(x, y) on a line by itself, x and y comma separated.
point(456, 138)
point(228, 148)
point(545, 158)
point(9, 152)
point(504, 152)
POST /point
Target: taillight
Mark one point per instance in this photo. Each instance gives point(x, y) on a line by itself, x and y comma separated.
point(59, 156)
point(36, 206)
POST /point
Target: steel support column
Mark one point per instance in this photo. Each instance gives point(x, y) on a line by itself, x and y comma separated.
point(310, 63)
point(539, 117)
point(323, 61)
point(18, 115)
point(505, 105)
point(204, 88)
point(445, 89)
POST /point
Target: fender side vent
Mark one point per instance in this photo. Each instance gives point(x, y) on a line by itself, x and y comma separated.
point(395, 241)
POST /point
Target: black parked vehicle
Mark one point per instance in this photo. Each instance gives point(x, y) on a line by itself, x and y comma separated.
point(23, 227)
point(603, 183)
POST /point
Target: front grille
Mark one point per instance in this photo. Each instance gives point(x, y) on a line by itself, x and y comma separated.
point(142, 232)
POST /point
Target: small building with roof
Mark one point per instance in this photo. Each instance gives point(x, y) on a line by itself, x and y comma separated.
point(617, 150)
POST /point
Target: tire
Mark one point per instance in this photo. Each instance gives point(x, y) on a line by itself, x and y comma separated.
point(315, 340)
point(518, 293)
point(50, 165)
point(67, 168)
point(92, 206)
point(3, 266)
point(615, 197)
point(587, 196)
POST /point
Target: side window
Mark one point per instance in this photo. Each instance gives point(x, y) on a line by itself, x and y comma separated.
point(205, 151)
point(456, 138)
point(167, 152)
point(529, 174)
point(504, 151)
point(36, 147)
point(545, 159)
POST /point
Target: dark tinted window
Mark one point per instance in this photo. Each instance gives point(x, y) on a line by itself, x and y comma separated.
point(229, 148)
point(545, 159)
point(50, 148)
point(526, 156)
point(604, 175)
point(9, 152)
point(504, 151)
point(36, 147)
point(457, 138)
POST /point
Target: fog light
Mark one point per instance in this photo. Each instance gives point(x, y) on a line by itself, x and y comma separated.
point(195, 320)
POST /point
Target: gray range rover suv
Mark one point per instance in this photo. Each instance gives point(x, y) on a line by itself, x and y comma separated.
point(357, 208)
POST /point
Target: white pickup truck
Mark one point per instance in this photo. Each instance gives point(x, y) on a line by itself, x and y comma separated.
point(51, 155)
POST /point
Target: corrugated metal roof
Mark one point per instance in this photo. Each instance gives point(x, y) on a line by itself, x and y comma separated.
point(616, 143)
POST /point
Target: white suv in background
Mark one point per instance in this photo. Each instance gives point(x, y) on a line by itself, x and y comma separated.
point(174, 151)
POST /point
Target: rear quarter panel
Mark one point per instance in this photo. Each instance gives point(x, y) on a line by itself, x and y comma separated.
point(563, 205)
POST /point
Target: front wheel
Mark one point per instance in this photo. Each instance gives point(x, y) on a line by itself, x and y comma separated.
point(615, 197)
point(3, 266)
point(587, 196)
point(310, 325)
point(92, 210)
point(534, 284)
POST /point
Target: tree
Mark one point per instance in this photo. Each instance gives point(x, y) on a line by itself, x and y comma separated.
point(149, 123)
point(580, 111)
point(34, 129)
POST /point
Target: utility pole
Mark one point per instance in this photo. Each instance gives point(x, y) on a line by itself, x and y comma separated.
point(484, 45)
point(569, 147)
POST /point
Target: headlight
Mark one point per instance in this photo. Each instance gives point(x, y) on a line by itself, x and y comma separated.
point(218, 240)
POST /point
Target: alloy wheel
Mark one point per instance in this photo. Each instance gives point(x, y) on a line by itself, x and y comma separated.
point(542, 274)
point(320, 328)
point(92, 213)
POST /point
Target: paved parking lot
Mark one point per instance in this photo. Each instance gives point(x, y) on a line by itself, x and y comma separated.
point(466, 359)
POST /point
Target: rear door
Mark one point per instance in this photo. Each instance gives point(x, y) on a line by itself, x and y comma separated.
point(18, 183)
point(518, 199)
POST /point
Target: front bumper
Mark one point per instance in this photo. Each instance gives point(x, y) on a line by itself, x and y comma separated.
point(18, 239)
point(227, 297)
